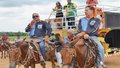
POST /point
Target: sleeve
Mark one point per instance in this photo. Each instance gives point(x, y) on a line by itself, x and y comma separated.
point(48, 28)
point(27, 29)
point(65, 7)
point(96, 1)
point(80, 27)
point(29, 26)
point(74, 6)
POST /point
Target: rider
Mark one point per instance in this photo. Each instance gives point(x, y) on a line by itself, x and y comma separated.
point(18, 39)
point(90, 25)
point(58, 49)
point(92, 2)
point(70, 37)
point(71, 12)
point(5, 38)
point(39, 29)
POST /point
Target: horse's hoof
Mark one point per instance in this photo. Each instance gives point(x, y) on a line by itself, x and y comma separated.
point(1, 57)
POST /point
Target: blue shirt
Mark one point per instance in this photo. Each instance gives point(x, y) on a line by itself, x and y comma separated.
point(42, 29)
point(84, 24)
point(32, 31)
point(66, 40)
point(90, 26)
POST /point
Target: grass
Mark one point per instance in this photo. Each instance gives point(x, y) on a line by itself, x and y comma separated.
point(12, 38)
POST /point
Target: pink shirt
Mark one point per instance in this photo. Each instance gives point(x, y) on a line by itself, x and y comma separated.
point(92, 2)
point(4, 38)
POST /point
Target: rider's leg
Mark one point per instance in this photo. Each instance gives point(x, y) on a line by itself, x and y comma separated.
point(42, 48)
point(12, 65)
point(100, 48)
point(59, 58)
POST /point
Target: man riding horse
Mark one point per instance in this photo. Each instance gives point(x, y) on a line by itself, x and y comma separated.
point(90, 25)
point(39, 29)
point(4, 45)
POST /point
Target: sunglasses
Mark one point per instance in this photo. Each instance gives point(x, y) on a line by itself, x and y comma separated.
point(35, 16)
point(99, 10)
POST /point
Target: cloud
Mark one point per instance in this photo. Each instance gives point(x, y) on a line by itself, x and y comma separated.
point(16, 14)
point(13, 3)
point(16, 18)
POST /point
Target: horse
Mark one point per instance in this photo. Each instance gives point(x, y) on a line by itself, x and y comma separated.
point(25, 55)
point(83, 55)
point(3, 49)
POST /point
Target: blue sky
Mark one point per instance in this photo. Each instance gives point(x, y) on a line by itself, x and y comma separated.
point(16, 14)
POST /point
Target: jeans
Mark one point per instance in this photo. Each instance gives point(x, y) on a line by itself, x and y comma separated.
point(42, 48)
point(59, 58)
point(100, 49)
point(12, 65)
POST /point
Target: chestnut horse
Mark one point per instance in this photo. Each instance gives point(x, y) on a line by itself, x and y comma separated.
point(3, 49)
point(25, 55)
point(85, 53)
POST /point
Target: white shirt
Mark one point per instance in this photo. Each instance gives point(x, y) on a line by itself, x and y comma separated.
point(18, 39)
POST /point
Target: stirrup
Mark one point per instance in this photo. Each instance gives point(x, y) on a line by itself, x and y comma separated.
point(103, 65)
point(42, 62)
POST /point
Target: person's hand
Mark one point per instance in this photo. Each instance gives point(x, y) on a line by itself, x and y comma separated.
point(80, 34)
point(86, 36)
point(46, 37)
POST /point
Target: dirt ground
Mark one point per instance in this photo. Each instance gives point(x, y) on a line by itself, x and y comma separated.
point(111, 62)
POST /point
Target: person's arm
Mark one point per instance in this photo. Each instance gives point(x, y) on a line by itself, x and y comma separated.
point(74, 6)
point(48, 29)
point(96, 1)
point(27, 29)
point(80, 27)
point(88, 2)
point(54, 9)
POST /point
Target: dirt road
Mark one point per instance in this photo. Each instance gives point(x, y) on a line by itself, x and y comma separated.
point(111, 62)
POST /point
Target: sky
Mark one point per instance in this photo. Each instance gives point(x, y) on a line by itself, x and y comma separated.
point(16, 14)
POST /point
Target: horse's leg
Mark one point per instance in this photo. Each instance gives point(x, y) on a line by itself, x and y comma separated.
point(12, 65)
point(1, 54)
point(53, 63)
point(26, 66)
point(65, 66)
point(4, 53)
point(33, 65)
point(43, 65)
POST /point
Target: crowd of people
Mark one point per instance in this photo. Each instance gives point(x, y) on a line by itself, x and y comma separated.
point(71, 12)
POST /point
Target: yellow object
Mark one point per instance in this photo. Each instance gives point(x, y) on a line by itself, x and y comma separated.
point(105, 45)
point(101, 39)
point(59, 31)
point(106, 30)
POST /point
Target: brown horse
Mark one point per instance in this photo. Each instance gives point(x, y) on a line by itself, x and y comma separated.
point(85, 53)
point(3, 49)
point(25, 55)
point(50, 55)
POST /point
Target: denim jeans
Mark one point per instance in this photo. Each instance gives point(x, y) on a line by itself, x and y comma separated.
point(42, 48)
point(100, 49)
point(59, 58)
point(12, 65)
